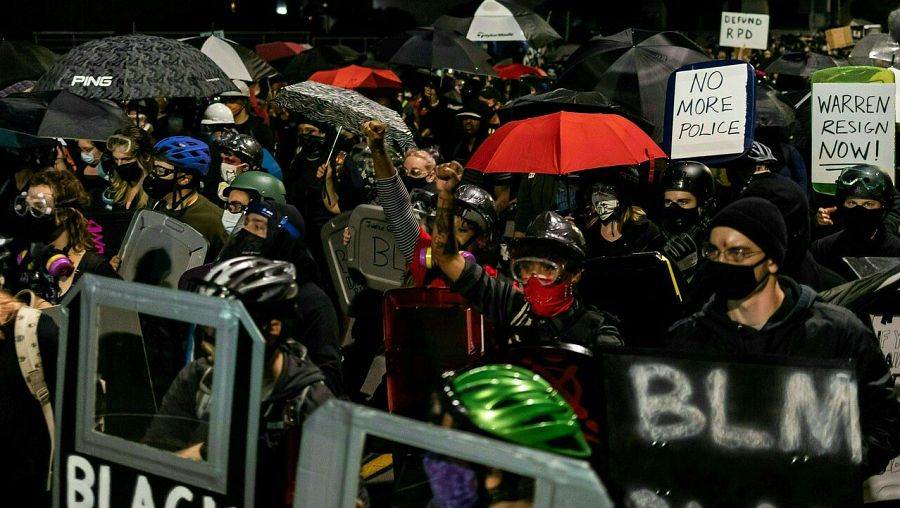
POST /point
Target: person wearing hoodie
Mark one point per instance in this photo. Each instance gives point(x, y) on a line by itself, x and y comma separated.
point(757, 311)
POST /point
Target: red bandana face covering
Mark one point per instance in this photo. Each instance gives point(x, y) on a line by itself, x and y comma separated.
point(548, 301)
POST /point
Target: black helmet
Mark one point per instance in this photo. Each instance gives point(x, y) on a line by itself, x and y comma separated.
point(551, 231)
point(690, 176)
point(476, 205)
point(246, 147)
point(865, 181)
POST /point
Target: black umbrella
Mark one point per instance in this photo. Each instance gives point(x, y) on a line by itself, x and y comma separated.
point(501, 20)
point(60, 114)
point(800, 64)
point(434, 48)
point(136, 67)
point(772, 110)
point(21, 60)
point(320, 58)
point(879, 50)
point(562, 99)
point(632, 68)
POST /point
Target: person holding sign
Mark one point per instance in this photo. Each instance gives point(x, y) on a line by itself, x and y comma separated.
point(756, 311)
point(864, 197)
point(546, 264)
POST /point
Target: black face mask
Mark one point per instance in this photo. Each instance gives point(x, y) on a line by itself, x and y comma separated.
point(158, 188)
point(861, 221)
point(734, 282)
point(677, 219)
point(130, 172)
point(413, 183)
point(244, 243)
point(40, 229)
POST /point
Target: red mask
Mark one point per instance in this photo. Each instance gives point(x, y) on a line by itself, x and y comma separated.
point(550, 300)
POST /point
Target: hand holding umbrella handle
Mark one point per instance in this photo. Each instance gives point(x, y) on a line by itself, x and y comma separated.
point(374, 131)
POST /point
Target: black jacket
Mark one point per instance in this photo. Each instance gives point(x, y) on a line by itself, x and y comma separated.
point(831, 250)
point(807, 328)
point(499, 301)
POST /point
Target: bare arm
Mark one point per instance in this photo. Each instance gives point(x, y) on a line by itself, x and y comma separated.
point(444, 250)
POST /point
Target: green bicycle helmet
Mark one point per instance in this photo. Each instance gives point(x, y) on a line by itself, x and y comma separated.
point(516, 405)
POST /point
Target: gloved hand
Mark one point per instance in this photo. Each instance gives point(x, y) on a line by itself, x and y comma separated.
point(682, 250)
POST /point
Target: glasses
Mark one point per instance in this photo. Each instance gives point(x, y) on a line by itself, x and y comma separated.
point(38, 205)
point(547, 272)
point(235, 206)
point(161, 171)
point(734, 255)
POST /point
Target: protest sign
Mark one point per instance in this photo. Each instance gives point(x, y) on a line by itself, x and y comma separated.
point(744, 30)
point(372, 250)
point(853, 116)
point(703, 431)
point(886, 486)
point(709, 110)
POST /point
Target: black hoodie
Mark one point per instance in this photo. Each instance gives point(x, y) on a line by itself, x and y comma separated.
point(805, 327)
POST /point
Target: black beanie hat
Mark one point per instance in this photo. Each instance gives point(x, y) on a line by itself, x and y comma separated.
point(760, 221)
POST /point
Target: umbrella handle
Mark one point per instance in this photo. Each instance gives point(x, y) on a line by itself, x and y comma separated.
point(334, 144)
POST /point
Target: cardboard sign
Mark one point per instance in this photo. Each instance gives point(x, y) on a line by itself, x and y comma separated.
point(838, 38)
point(853, 116)
point(347, 284)
point(710, 110)
point(744, 30)
point(696, 431)
point(372, 250)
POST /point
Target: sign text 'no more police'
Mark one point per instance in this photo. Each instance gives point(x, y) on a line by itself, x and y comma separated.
point(709, 114)
point(852, 123)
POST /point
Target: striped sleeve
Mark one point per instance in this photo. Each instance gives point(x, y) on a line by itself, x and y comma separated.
point(394, 199)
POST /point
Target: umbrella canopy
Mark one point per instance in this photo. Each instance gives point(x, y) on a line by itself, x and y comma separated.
point(562, 143)
point(800, 64)
point(23, 60)
point(517, 70)
point(501, 20)
point(355, 77)
point(136, 67)
point(875, 49)
point(271, 51)
point(18, 87)
point(237, 61)
point(771, 109)
point(434, 48)
point(632, 68)
point(304, 65)
point(562, 99)
point(61, 114)
point(346, 109)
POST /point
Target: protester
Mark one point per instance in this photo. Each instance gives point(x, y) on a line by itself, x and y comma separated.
point(689, 201)
point(131, 149)
point(245, 122)
point(756, 311)
point(617, 225)
point(247, 187)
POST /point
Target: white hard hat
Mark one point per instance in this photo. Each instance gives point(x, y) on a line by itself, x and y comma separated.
point(243, 90)
point(217, 113)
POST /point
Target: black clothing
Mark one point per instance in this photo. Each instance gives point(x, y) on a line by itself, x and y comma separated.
point(25, 452)
point(256, 127)
point(639, 235)
point(498, 300)
point(804, 327)
point(831, 250)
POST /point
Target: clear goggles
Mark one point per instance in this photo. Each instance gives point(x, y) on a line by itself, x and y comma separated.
point(547, 272)
point(38, 205)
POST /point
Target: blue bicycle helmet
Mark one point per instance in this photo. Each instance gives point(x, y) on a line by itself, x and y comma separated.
point(184, 152)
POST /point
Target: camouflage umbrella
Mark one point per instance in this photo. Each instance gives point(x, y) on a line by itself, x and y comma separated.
point(136, 67)
point(344, 108)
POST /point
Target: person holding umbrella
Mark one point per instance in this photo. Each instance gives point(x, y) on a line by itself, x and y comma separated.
point(546, 264)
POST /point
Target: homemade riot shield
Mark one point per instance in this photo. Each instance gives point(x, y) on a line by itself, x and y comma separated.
point(372, 250)
point(427, 331)
point(123, 436)
point(157, 249)
point(334, 436)
point(347, 283)
point(864, 267)
point(640, 289)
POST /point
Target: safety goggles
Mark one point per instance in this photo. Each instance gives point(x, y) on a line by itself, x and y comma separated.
point(547, 272)
point(116, 141)
point(851, 178)
point(38, 205)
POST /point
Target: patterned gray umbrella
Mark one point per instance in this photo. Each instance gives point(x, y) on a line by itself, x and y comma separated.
point(344, 108)
point(136, 67)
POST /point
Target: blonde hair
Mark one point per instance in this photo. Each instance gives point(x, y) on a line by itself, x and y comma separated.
point(120, 189)
point(8, 308)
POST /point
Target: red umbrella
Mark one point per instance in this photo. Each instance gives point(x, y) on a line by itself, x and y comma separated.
point(269, 51)
point(564, 142)
point(517, 70)
point(354, 77)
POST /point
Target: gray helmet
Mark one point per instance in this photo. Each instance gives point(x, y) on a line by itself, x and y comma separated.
point(245, 147)
point(264, 184)
point(476, 205)
point(251, 279)
point(761, 154)
point(549, 230)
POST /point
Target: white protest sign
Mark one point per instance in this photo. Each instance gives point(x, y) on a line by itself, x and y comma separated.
point(743, 30)
point(709, 113)
point(886, 486)
point(852, 123)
